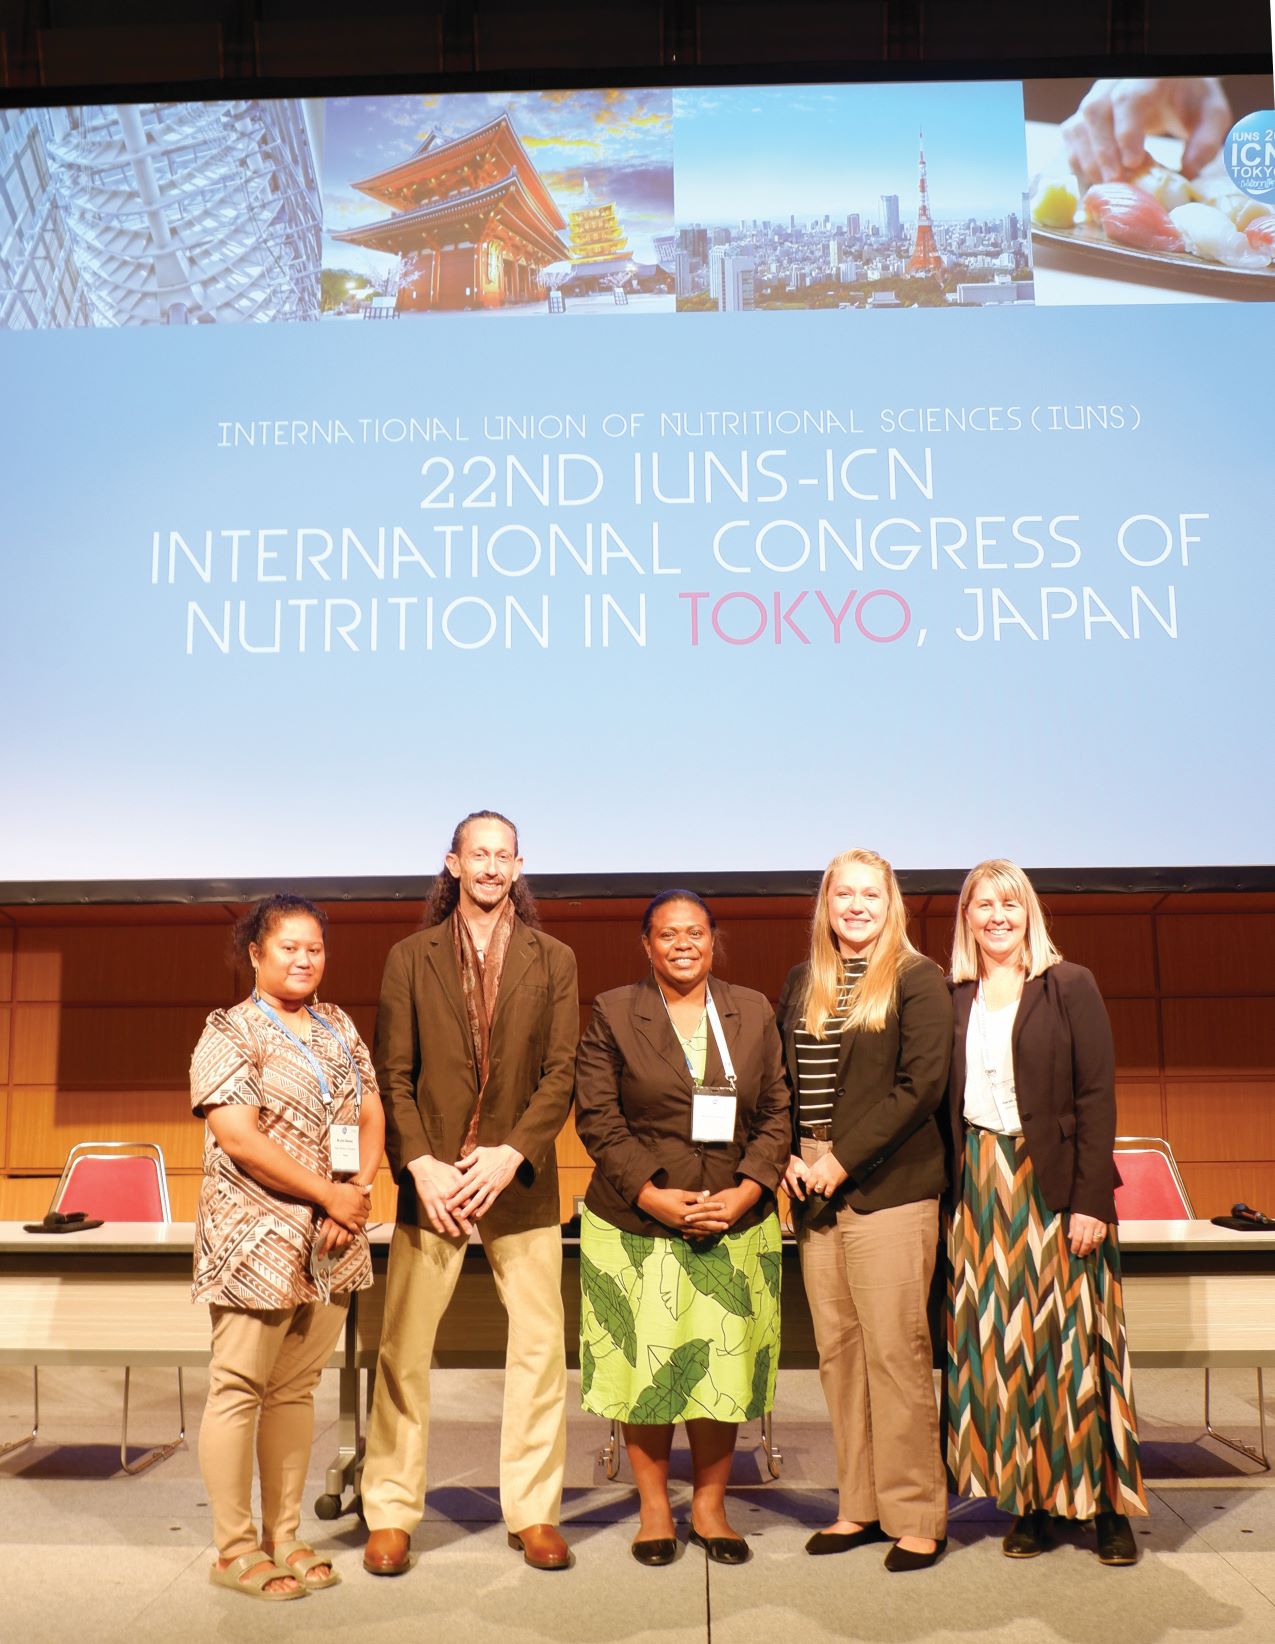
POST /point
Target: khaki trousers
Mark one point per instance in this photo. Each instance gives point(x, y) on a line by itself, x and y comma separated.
point(867, 1281)
point(423, 1273)
point(265, 1368)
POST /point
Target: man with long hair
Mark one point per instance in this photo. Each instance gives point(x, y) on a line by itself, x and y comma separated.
point(475, 1052)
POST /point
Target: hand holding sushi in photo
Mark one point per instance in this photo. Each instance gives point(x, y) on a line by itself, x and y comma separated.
point(1106, 137)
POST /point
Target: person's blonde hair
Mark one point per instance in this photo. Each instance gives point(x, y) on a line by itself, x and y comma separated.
point(1008, 879)
point(875, 993)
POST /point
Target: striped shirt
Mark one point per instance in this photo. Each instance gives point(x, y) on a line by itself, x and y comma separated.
point(817, 1058)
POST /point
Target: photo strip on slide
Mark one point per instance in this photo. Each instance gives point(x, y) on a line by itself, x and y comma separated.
point(547, 202)
point(1142, 190)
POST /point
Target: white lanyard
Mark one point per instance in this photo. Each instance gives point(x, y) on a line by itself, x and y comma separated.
point(714, 1022)
point(994, 1071)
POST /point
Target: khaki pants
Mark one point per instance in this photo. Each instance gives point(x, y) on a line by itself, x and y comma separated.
point(265, 1368)
point(423, 1272)
point(867, 1281)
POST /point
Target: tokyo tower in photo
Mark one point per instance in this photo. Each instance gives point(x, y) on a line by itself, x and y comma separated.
point(925, 257)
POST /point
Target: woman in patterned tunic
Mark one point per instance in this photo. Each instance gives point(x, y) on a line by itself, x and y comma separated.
point(1040, 1410)
point(867, 1027)
point(293, 1141)
point(682, 1105)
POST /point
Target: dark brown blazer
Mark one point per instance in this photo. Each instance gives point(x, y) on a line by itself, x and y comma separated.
point(633, 1103)
point(1065, 1078)
point(889, 1088)
point(424, 1057)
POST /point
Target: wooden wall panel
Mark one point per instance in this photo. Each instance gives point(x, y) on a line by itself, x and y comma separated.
point(107, 1003)
point(1204, 1036)
point(1137, 1035)
point(110, 964)
point(356, 960)
point(33, 1058)
point(44, 1123)
point(1214, 1188)
point(1217, 1120)
point(1220, 953)
point(1140, 1108)
point(26, 1198)
point(1119, 948)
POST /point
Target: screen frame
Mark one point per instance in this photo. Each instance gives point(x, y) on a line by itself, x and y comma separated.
point(614, 886)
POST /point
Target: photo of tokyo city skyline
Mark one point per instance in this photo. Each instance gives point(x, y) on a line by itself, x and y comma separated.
point(498, 203)
point(880, 196)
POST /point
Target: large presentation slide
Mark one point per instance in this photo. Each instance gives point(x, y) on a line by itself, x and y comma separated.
point(905, 487)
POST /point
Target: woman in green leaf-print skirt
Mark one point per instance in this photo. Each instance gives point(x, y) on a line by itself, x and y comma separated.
point(683, 1107)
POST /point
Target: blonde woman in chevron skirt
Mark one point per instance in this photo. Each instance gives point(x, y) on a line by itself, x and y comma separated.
point(1039, 1409)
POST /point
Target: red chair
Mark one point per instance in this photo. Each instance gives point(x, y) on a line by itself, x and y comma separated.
point(118, 1182)
point(1152, 1190)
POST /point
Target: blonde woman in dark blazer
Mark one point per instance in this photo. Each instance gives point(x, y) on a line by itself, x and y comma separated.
point(679, 1240)
point(867, 1029)
point(1040, 1412)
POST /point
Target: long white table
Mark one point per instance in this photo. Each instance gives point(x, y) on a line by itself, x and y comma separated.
point(1195, 1296)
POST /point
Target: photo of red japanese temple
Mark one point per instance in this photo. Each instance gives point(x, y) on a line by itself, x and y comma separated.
point(471, 221)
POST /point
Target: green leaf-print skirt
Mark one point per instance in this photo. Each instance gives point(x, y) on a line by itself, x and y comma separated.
point(678, 1330)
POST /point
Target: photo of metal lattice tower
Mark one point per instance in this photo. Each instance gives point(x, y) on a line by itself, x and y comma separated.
point(186, 212)
point(40, 284)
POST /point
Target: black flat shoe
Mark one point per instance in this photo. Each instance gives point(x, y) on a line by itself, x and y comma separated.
point(655, 1550)
point(723, 1549)
point(899, 1559)
point(1029, 1535)
point(844, 1541)
point(1115, 1539)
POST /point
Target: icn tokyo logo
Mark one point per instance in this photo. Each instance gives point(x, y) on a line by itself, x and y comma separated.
point(1250, 154)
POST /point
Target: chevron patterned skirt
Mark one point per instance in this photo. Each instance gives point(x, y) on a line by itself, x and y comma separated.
point(1039, 1404)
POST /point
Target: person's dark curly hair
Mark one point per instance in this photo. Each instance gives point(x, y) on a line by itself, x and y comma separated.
point(445, 892)
point(261, 918)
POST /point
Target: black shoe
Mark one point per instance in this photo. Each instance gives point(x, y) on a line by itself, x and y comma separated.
point(655, 1550)
point(1029, 1536)
point(899, 1559)
point(1115, 1539)
point(723, 1549)
point(844, 1541)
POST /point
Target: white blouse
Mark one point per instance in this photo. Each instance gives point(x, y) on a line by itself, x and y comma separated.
point(991, 1101)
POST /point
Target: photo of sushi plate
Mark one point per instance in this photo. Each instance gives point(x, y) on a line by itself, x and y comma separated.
point(1131, 201)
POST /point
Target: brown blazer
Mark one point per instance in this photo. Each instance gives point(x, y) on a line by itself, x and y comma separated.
point(633, 1103)
point(1065, 1077)
point(424, 1057)
point(889, 1088)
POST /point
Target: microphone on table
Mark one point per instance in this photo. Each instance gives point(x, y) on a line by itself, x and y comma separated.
point(1245, 1213)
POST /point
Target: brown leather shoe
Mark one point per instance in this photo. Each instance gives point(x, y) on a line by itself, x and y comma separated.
point(388, 1552)
point(541, 1546)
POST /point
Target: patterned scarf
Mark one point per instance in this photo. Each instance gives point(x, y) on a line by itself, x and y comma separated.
point(480, 984)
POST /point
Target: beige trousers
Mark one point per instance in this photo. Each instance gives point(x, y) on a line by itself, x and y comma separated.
point(423, 1273)
point(265, 1368)
point(867, 1281)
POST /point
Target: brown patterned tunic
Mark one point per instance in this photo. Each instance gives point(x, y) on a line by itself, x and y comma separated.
point(252, 1245)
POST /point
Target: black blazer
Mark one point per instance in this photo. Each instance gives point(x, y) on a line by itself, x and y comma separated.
point(1065, 1078)
point(633, 1103)
point(889, 1088)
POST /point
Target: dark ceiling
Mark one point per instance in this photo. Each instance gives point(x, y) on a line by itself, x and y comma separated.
point(62, 43)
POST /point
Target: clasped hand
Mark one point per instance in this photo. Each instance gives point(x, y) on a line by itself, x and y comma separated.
point(455, 1196)
point(699, 1214)
point(346, 1211)
point(823, 1177)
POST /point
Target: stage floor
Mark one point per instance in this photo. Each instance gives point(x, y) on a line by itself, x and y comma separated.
point(92, 1554)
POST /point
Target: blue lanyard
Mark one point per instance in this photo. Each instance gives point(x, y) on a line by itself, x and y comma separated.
point(325, 1089)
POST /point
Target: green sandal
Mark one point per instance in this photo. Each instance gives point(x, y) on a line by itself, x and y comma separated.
point(301, 1567)
point(233, 1576)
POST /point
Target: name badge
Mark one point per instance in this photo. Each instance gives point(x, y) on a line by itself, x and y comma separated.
point(713, 1114)
point(343, 1149)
